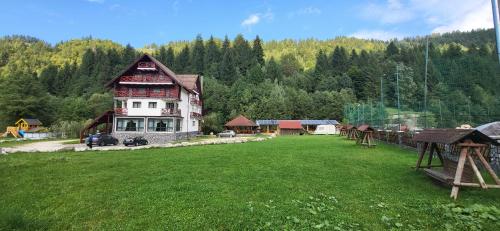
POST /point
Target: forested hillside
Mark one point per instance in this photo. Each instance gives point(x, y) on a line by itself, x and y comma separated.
point(63, 84)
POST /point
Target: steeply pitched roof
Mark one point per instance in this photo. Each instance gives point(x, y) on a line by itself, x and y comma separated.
point(451, 135)
point(240, 121)
point(188, 80)
point(365, 127)
point(31, 121)
point(164, 68)
point(490, 129)
point(290, 124)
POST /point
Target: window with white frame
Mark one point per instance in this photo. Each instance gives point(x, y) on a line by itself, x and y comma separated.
point(136, 104)
point(160, 125)
point(194, 123)
point(152, 105)
point(130, 124)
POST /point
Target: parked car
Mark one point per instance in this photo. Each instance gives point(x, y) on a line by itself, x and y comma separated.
point(139, 140)
point(227, 133)
point(104, 139)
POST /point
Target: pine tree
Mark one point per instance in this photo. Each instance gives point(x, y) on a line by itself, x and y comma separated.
point(23, 96)
point(198, 55)
point(47, 78)
point(213, 54)
point(182, 64)
point(162, 55)
point(226, 45)
point(339, 60)
point(227, 69)
point(242, 54)
point(129, 55)
point(170, 58)
point(273, 70)
point(322, 65)
point(258, 51)
point(392, 50)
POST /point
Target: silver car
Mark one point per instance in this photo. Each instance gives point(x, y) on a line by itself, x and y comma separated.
point(227, 133)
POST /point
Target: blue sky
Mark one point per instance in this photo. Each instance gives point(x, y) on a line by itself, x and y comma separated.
point(154, 21)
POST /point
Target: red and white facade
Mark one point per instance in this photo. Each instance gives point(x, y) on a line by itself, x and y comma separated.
point(152, 101)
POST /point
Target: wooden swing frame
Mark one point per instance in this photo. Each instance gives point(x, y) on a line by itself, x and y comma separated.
point(468, 151)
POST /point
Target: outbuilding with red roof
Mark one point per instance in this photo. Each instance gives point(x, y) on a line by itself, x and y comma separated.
point(290, 127)
point(241, 125)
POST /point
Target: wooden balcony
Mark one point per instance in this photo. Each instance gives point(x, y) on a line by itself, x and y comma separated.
point(195, 101)
point(196, 115)
point(147, 66)
point(147, 93)
point(170, 112)
point(145, 79)
point(121, 111)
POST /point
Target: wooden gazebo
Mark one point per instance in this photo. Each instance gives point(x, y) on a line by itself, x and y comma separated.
point(469, 147)
point(241, 125)
point(365, 136)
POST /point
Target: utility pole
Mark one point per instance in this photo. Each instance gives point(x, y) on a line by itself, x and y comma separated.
point(425, 81)
point(496, 19)
point(397, 92)
point(440, 114)
point(382, 102)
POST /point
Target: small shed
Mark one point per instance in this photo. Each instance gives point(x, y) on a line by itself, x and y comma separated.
point(468, 146)
point(290, 127)
point(342, 130)
point(365, 136)
point(241, 125)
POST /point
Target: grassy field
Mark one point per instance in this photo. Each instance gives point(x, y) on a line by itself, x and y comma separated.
point(300, 183)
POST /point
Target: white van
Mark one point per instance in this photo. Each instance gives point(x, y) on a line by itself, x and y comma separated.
point(325, 130)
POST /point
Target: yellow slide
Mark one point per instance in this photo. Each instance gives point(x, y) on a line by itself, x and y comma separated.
point(13, 131)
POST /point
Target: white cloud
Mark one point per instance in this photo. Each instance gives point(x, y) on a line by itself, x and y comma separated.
point(251, 20)
point(389, 13)
point(96, 1)
point(254, 19)
point(440, 15)
point(377, 34)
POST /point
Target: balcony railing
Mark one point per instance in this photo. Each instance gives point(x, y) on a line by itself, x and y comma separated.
point(170, 112)
point(146, 66)
point(196, 115)
point(195, 101)
point(145, 79)
point(121, 111)
point(152, 93)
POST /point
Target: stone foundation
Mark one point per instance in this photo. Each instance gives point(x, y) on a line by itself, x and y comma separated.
point(155, 138)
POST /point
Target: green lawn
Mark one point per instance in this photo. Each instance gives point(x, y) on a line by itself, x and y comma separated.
point(297, 183)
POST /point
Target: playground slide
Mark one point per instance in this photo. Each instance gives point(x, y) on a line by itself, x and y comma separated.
point(13, 131)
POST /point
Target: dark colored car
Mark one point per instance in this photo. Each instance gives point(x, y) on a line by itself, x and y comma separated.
point(139, 140)
point(104, 139)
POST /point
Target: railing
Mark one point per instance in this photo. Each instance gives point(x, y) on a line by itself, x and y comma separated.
point(121, 111)
point(196, 115)
point(146, 92)
point(195, 101)
point(146, 65)
point(145, 79)
point(170, 112)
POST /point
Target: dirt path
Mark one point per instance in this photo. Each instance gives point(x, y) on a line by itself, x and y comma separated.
point(44, 146)
point(58, 145)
